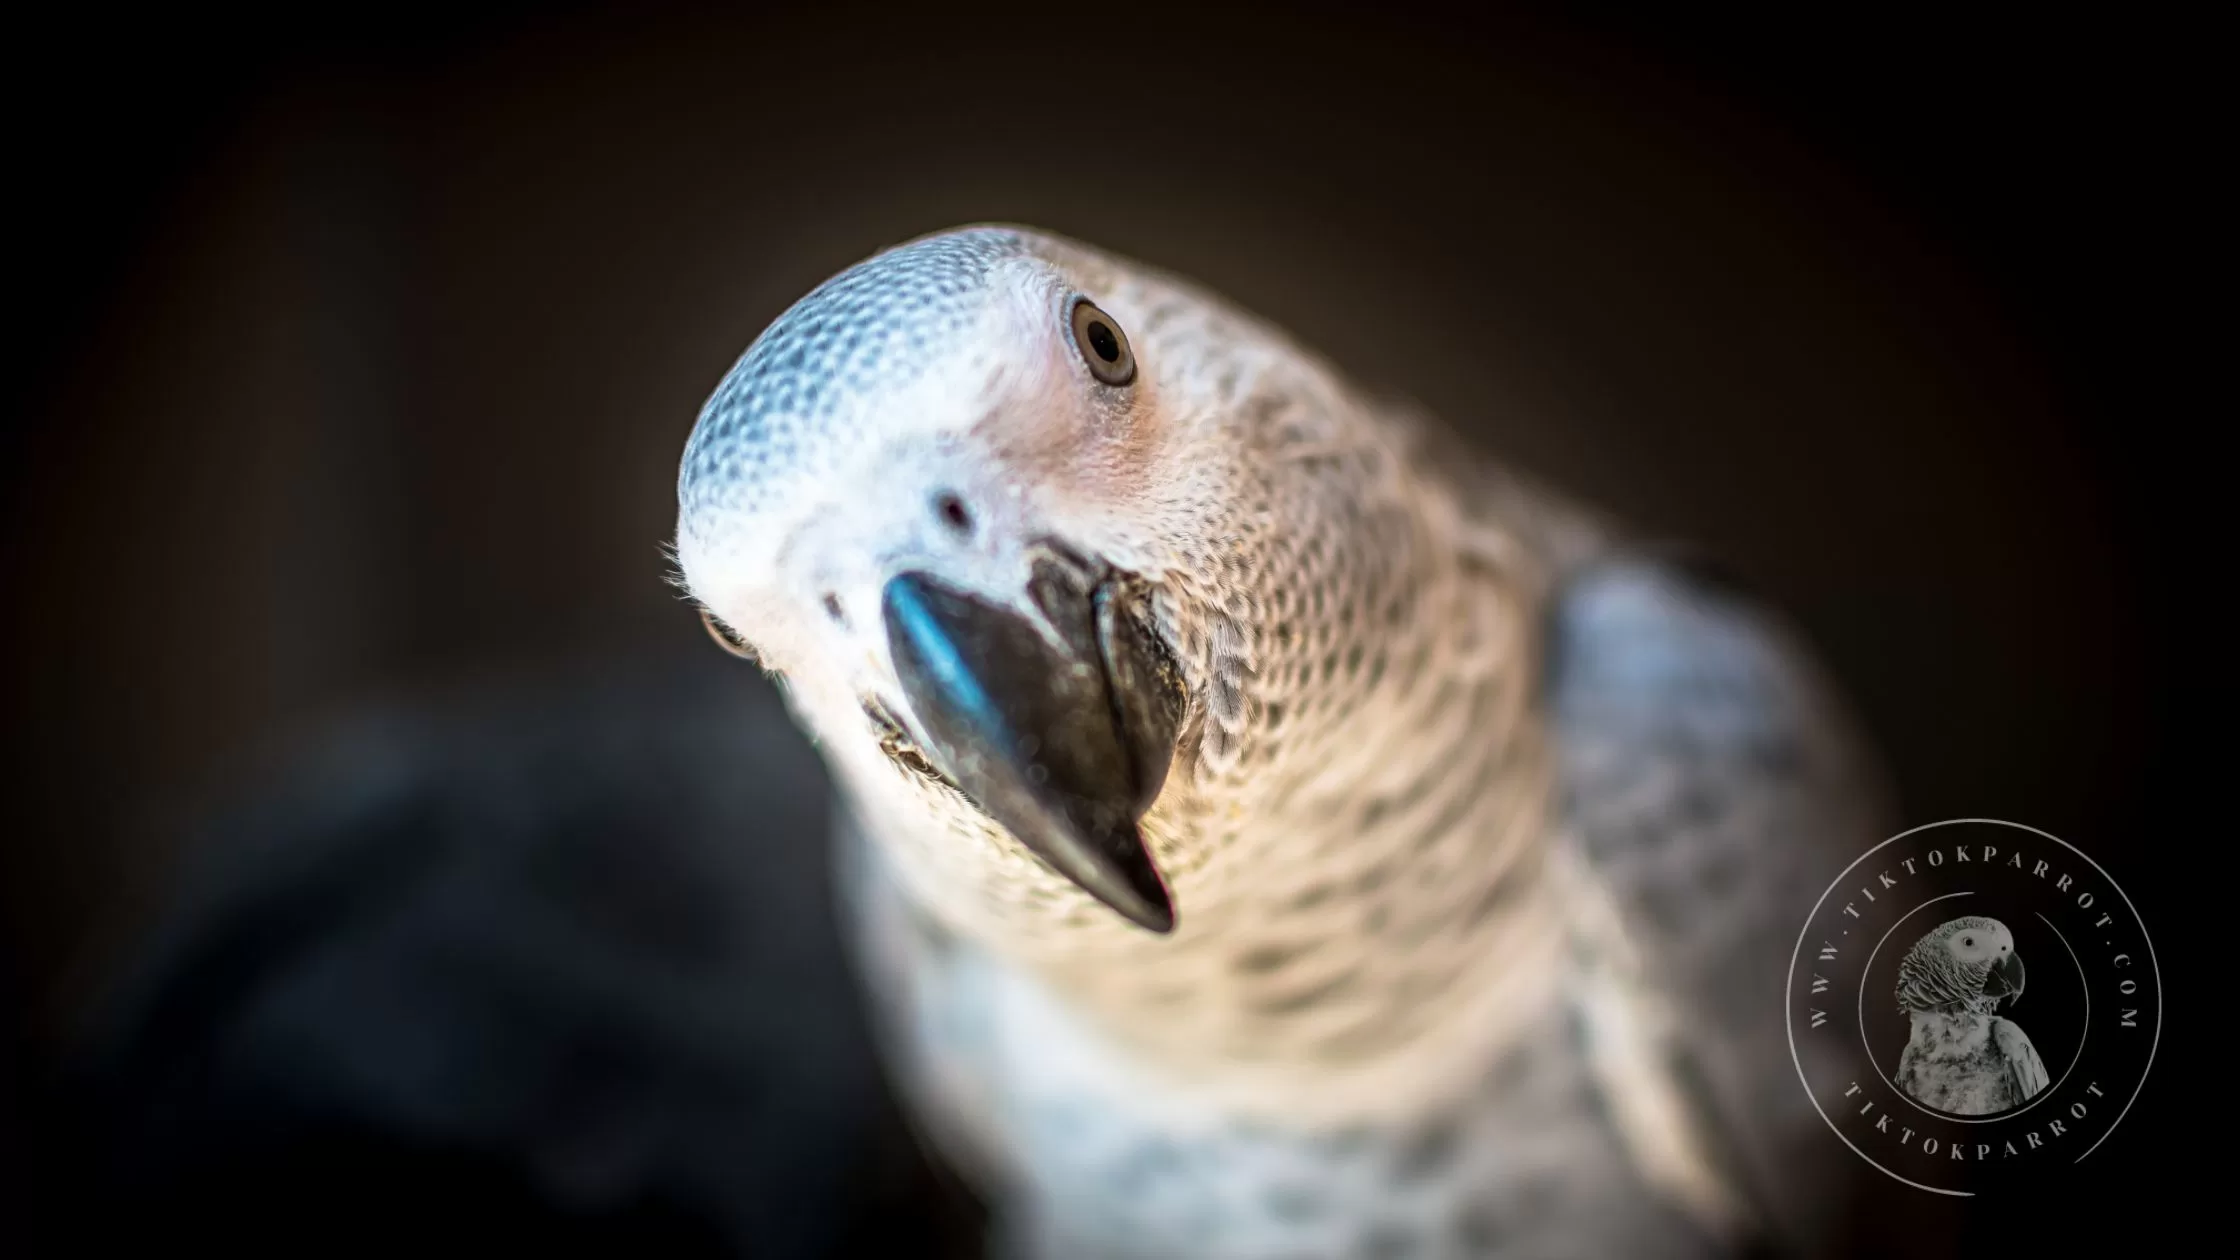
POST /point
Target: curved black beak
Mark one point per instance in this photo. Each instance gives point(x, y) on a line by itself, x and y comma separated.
point(1064, 743)
point(2005, 980)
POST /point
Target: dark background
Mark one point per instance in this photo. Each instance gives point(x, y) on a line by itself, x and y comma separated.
point(355, 351)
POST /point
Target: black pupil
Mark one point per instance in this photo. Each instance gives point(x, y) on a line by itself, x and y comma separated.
point(1103, 342)
point(1968, 941)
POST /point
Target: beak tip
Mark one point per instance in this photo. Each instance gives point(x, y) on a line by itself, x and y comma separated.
point(1131, 884)
point(1155, 916)
point(1031, 734)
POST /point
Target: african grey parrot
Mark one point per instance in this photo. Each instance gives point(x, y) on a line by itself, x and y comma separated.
point(1275, 829)
point(1959, 1057)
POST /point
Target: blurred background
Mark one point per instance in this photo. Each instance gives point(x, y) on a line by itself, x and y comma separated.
point(384, 843)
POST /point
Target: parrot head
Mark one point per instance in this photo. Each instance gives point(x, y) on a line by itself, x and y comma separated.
point(1969, 961)
point(1014, 523)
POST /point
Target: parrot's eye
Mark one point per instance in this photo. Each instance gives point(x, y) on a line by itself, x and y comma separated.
point(727, 640)
point(1103, 346)
point(1968, 941)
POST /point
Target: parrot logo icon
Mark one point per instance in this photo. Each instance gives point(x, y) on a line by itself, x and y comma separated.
point(1960, 1057)
point(1904, 1034)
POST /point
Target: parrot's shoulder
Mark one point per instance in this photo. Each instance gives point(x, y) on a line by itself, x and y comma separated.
point(1658, 655)
point(1703, 753)
point(1649, 627)
point(2011, 1040)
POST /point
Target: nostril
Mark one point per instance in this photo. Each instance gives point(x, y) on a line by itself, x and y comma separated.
point(953, 511)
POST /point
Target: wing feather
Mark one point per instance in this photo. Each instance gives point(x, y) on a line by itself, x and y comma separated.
point(1713, 785)
point(2025, 1069)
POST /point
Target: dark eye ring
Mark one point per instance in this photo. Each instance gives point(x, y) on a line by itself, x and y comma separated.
point(727, 640)
point(1103, 346)
point(1968, 941)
